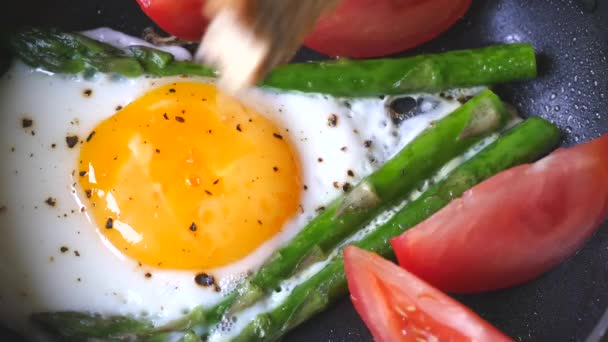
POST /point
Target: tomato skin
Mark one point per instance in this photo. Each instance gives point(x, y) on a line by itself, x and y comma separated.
point(372, 28)
point(181, 18)
point(514, 226)
point(397, 306)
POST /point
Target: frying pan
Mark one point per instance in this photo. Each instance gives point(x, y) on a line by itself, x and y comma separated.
point(571, 38)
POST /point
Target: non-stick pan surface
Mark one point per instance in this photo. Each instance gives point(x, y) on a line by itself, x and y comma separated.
point(571, 37)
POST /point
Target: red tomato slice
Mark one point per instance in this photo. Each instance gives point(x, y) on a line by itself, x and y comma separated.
point(181, 18)
point(356, 28)
point(397, 306)
point(514, 226)
point(372, 28)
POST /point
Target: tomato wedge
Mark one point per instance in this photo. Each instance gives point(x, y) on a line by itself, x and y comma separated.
point(514, 226)
point(372, 28)
point(356, 28)
point(181, 18)
point(397, 306)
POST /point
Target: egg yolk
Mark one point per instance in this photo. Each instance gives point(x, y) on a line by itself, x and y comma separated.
point(186, 177)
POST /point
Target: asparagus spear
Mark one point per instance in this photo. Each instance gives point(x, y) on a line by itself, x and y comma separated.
point(525, 143)
point(75, 326)
point(74, 53)
point(431, 73)
point(426, 154)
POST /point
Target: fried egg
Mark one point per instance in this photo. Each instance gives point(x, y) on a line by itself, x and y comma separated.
point(149, 197)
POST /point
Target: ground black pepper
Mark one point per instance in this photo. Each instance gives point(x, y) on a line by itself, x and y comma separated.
point(332, 121)
point(26, 122)
point(90, 136)
point(51, 201)
point(204, 279)
point(71, 140)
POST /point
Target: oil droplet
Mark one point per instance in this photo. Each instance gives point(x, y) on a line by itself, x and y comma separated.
point(570, 119)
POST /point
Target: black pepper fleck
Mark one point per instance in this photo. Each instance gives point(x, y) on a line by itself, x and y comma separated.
point(277, 135)
point(193, 227)
point(238, 128)
point(71, 140)
point(204, 279)
point(165, 116)
point(172, 90)
point(64, 249)
point(87, 92)
point(82, 173)
point(51, 201)
point(148, 275)
point(275, 169)
point(208, 192)
point(350, 173)
point(53, 145)
point(260, 222)
point(332, 121)
point(367, 143)
point(157, 151)
point(26, 122)
point(119, 107)
point(305, 187)
point(320, 160)
point(180, 119)
point(77, 253)
point(344, 149)
point(320, 209)
point(90, 136)
point(216, 181)
point(402, 109)
point(88, 193)
point(110, 223)
point(336, 185)
point(346, 187)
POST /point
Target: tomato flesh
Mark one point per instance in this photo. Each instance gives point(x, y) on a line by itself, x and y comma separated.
point(181, 18)
point(371, 28)
point(397, 306)
point(514, 226)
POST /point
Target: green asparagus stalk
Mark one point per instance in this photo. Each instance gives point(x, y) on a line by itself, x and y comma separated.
point(423, 73)
point(427, 153)
point(75, 326)
point(73, 53)
point(527, 142)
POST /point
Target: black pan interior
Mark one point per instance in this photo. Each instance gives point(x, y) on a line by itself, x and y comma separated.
point(571, 37)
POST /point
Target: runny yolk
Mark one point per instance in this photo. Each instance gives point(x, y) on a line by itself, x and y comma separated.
point(188, 178)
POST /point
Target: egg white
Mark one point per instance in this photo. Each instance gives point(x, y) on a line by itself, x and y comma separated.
point(38, 276)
